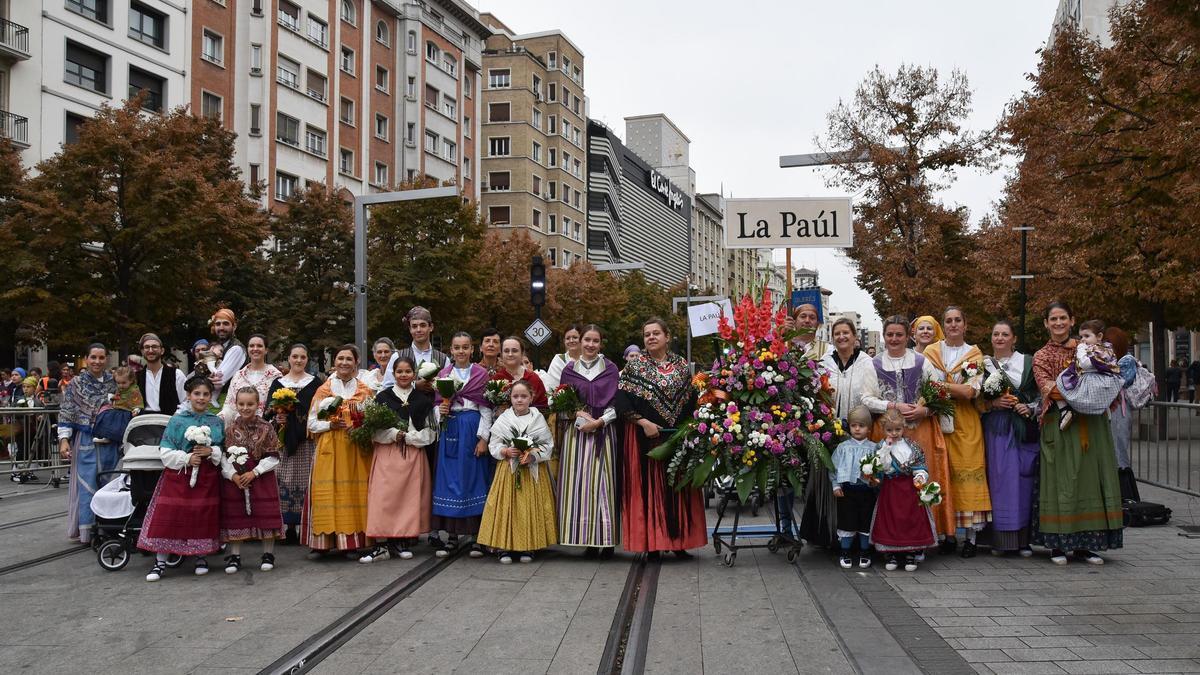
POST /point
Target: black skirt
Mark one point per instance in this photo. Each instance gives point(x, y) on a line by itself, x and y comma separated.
point(855, 508)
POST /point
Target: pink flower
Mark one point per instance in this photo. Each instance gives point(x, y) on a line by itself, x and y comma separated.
point(728, 437)
point(702, 427)
point(790, 384)
point(772, 390)
point(727, 423)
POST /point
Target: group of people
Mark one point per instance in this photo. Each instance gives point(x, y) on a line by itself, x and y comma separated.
point(256, 453)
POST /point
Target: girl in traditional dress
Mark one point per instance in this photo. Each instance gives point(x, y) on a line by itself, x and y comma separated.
point(902, 524)
point(184, 515)
point(400, 494)
point(381, 352)
point(519, 516)
point(574, 348)
point(249, 493)
point(1078, 507)
point(296, 459)
point(512, 368)
point(464, 467)
point(587, 513)
point(81, 402)
point(654, 396)
point(925, 331)
point(960, 367)
point(258, 375)
point(336, 512)
point(893, 384)
point(1010, 437)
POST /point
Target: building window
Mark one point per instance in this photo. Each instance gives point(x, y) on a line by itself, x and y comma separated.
point(147, 25)
point(449, 64)
point(566, 228)
point(411, 175)
point(552, 124)
point(552, 92)
point(86, 68)
point(449, 107)
point(566, 64)
point(289, 15)
point(213, 48)
point(410, 88)
point(498, 147)
point(255, 59)
point(410, 44)
point(578, 231)
point(552, 254)
point(553, 193)
point(96, 10)
point(381, 33)
point(346, 114)
point(498, 112)
point(288, 72)
point(552, 155)
point(410, 132)
point(349, 14)
point(431, 97)
point(467, 90)
point(498, 215)
point(140, 81)
point(255, 119)
point(537, 219)
point(431, 52)
point(566, 193)
point(499, 181)
point(431, 142)
point(381, 173)
point(254, 176)
point(466, 168)
point(314, 141)
point(578, 166)
point(499, 79)
point(451, 151)
point(577, 203)
point(318, 32)
point(536, 155)
point(285, 186)
point(575, 105)
point(537, 185)
point(346, 161)
point(466, 127)
point(552, 223)
point(287, 129)
point(537, 87)
point(347, 60)
point(381, 127)
point(577, 74)
point(552, 60)
point(381, 78)
point(537, 119)
point(317, 85)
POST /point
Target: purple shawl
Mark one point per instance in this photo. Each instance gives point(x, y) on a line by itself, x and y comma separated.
point(473, 390)
point(912, 378)
point(596, 394)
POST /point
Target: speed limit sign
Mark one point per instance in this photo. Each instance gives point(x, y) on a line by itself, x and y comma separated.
point(538, 332)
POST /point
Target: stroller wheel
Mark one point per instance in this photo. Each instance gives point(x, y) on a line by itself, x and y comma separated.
point(112, 555)
point(174, 560)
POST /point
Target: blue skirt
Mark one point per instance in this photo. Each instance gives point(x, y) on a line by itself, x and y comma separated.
point(462, 480)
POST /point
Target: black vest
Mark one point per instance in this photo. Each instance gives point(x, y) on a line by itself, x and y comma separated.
point(168, 397)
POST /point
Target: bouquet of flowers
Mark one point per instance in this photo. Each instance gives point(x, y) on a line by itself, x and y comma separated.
point(376, 417)
point(997, 384)
point(564, 400)
point(282, 403)
point(428, 371)
point(871, 467)
point(930, 494)
point(238, 457)
point(448, 388)
point(496, 392)
point(199, 436)
point(525, 444)
point(764, 410)
point(329, 407)
point(935, 396)
point(968, 372)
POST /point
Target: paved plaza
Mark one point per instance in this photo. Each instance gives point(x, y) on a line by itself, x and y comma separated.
point(1136, 614)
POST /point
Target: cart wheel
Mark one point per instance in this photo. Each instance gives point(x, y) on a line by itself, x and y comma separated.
point(174, 560)
point(112, 555)
point(791, 555)
point(773, 544)
point(730, 558)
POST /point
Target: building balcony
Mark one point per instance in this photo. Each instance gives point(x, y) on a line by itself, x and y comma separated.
point(15, 128)
point(14, 40)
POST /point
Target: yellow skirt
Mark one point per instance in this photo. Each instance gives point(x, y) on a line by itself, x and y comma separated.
point(338, 491)
point(519, 518)
point(968, 471)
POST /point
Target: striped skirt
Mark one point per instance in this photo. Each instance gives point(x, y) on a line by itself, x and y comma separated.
point(587, 489)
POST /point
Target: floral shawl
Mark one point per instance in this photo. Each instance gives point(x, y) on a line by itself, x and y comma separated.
point(82, 400)
point(1048, 364)
point(665, 387)
point(256, 435)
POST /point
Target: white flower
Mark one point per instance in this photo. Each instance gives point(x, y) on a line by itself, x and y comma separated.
point(427, 370)
point(201, 435)
point(237, 454)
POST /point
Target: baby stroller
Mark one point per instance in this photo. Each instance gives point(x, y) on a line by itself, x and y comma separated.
point(120, 505)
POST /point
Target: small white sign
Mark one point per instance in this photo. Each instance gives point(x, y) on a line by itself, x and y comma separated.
point(789, 223)
point(538, 332)
point(705, 317)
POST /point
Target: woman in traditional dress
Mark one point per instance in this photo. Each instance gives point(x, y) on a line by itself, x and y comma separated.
point(1079, 499)
point(399, 496)
point(960, 367)
point(512, 354)
point(381, 352)
point(258, 375)
point(654, 396)
point(894, 383)
point(847, 367)
point(336, 512)
point(1119, 415)
point(80, 404)
point(296, 458)
point(1010, 437)
point(250, 493)
point(587, 509)
point(464, 468)
point(571, 342)
point(925, 331)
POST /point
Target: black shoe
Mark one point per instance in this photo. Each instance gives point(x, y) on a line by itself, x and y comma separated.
point(910, 563)
point(947, 546)
point(268, 562)
point(654, 555)
point(606, 552)
point(683, 555)
point(201, 567)
point(233, 564)
point(591, 552)
point(969, 549)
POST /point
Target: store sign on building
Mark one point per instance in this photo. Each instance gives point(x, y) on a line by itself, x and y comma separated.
point(662, 186)
point(789, 223)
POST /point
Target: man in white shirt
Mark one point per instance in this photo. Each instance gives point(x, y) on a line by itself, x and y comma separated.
point(420, 327)
point(150, 379)
point(224, 326)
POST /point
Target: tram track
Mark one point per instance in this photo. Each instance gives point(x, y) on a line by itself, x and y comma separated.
point(31, 521)
point(49, 557)
point(625, 648)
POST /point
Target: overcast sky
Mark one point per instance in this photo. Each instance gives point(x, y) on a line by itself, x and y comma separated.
point(748, 81)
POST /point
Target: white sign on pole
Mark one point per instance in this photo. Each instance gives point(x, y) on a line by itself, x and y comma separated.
point(789, 223)
point(538, 333)
point(704, 317)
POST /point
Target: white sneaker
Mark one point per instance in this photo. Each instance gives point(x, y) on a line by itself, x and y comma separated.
point(442, 552)
point(377, 553)
point(476, 551)
point(1025, 552)
point(1059, 559)
point(526, 557)
point(156, 572)
point(845, 562)
point(920, 557)
point(506, 559)
point(892, 564)
point(406, 554)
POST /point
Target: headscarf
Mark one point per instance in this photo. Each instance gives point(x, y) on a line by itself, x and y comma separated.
point(418, 313)
point(30, 381)
point(631, 349)
point(223, 313)
point(20, 371)
point(198, 343)
point(938, 335)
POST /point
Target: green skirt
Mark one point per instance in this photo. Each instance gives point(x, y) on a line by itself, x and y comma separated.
point(1077, 503)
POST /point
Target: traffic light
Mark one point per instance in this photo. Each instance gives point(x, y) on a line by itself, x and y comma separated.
point(537, 282)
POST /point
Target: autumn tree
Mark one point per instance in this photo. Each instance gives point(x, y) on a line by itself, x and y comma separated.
point(897, 146)
point(15, 261)
point(580, 294)
point(129, 229)
point(502, 299)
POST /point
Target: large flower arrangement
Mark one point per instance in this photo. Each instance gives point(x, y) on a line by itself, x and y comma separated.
point(763, 410)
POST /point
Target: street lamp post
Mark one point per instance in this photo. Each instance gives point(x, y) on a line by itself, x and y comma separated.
point(1024, 277)
point(537, 297)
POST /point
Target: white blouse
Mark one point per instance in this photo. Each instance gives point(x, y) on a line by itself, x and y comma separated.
point(337, 387)
point(848, 385)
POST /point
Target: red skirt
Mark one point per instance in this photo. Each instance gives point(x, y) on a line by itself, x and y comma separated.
point(183, 519)
point(265, 520)
point(901, 523)
point(654, 516)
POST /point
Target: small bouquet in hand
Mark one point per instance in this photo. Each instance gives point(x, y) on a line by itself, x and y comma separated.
point(930, 494)
point(969, 370)
point(282, 403)
point(871, 468)
point(238, 457)
point(564, 400)
point(525, 444)
point(200, 437)
point(329, 407)
point(448, 388)
point(376, 417)
point(496, 392)
point(996, 385)
point(428, 371)
point(935, 396)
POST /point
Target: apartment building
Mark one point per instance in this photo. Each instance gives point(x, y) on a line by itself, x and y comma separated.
point(534, 127)
point(710, 265)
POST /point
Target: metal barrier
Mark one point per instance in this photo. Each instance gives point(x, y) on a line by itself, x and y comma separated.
point(1165, 446)
point(29, 445)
